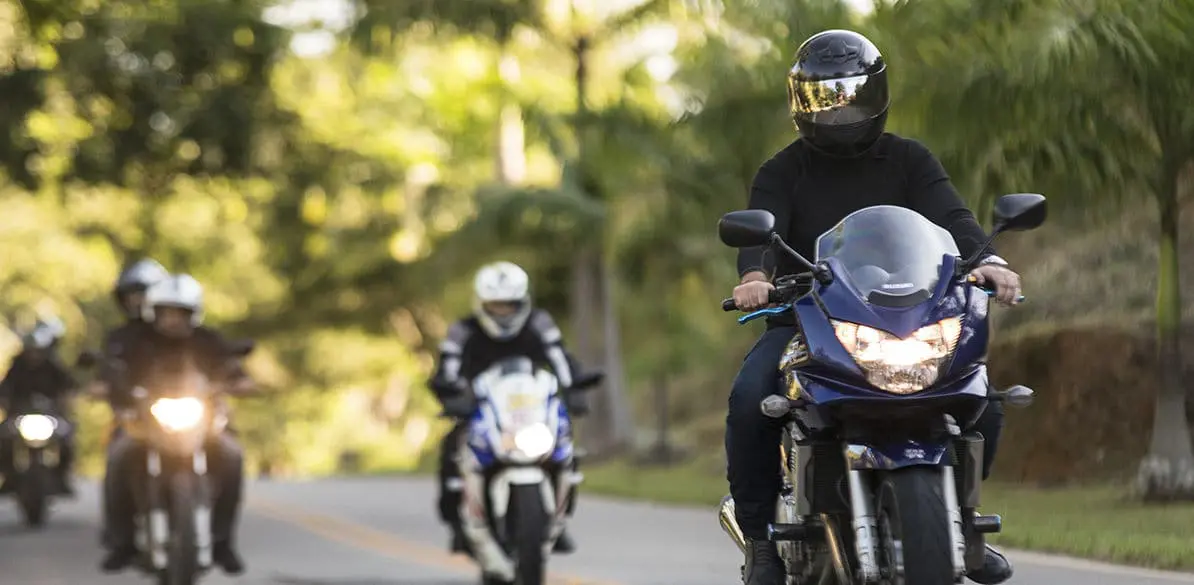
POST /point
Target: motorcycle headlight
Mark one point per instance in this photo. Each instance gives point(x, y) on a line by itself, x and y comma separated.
point(177, 414)
point(530, 442)
point(36, 427)
point(901, 366)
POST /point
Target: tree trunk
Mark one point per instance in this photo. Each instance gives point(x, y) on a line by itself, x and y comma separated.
point(1167, 472)
point(599, 432)
point(586, 303)
point(620, 432)
point(511, 142)
point(662, 452)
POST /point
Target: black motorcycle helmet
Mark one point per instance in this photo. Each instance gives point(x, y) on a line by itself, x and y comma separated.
point(837, 92)
point(134, 279)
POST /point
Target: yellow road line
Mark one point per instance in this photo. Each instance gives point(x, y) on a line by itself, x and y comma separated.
point(386, 543)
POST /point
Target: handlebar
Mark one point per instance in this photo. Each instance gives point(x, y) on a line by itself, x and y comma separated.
point(777, 294)
point(774, 296)
point(784, 288)
point(986, 287)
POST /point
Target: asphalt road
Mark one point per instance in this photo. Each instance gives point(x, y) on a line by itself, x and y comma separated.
point(383, 532)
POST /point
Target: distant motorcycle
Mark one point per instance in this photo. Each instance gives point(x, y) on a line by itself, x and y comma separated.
point(174, 506)
point(37, 433)
point(518, 470)
point(881, 484)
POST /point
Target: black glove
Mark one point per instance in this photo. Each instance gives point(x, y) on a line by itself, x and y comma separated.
point(577, 402)
point(458, 404)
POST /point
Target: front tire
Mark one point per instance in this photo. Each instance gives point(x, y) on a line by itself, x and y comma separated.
point(32, 494)
point(182, 567)
point(527, 530)
point(915, 543)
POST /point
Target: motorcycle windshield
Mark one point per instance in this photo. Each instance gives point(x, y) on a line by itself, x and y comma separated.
point(892, 255)
point(518, 392)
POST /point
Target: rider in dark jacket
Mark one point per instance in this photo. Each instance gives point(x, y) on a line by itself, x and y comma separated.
point(843, 162)
point(503, 325)
point(129, 294)
point(39, 371)
point(175, 346)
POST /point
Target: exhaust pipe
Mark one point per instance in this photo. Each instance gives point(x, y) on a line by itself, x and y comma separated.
point(725, 516)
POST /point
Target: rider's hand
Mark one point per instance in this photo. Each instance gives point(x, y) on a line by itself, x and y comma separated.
point(459, 405)
point(753, 295)
point(1005, 282)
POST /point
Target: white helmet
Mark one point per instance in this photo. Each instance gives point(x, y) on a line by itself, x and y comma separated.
point(179, 290)
point(45, 333)
point(502, 300)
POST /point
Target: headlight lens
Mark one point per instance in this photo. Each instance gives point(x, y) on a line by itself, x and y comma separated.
point(901, 366)
point(177, 414)
point(531, 442)
point(36, 427)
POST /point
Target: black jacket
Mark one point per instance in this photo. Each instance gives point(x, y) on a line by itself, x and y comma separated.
point(49, 377)
point(468, 350)
point(809, 192)
point(152, 360)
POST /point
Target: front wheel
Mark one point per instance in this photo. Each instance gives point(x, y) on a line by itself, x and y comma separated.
point(527, 530)
point(182, 567)
point(914, 529)
point(32, 494)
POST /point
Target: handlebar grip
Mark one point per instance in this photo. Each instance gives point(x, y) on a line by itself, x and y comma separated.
point(773, 296)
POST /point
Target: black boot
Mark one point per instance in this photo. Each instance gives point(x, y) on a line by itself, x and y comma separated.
point(64, 481)
point(457, 543)
point(225, 556)
point(763, 565)
point(564, 544)
point(119, 558)
point(996, 569)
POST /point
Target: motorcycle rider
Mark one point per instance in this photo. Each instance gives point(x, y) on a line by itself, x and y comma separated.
point(38, 370)
point(842, 161)
point(503, 324)
point(129, 293)
point(173, 308)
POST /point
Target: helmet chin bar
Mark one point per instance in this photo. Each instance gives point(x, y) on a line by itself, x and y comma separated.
point(846, 141)
point(506, 326)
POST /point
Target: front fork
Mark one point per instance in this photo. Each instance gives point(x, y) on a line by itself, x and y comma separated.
point(158, 503)
point(476, 515)
point(966, 527)
point(23, 456)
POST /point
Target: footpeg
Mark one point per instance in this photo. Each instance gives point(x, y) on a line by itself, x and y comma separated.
point(988, 524)
point(783, 532)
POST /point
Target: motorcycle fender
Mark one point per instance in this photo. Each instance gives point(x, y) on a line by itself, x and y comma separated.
point(894, 456)
point(475, 522)
point(499, 487)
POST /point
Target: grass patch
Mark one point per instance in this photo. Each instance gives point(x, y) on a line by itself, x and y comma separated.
point(1094, 522)
point(1091, 522)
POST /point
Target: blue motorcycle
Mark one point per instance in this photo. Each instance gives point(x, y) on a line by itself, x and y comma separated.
point(518, 470)
point(881, 483)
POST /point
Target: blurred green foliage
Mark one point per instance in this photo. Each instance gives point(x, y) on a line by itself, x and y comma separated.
point(333, 180)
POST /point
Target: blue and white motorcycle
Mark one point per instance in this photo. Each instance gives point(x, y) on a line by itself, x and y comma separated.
point(518, 470)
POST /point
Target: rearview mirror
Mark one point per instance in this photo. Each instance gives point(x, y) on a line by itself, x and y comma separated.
point(1018, 212)
point(746, 228)
point(586, 381)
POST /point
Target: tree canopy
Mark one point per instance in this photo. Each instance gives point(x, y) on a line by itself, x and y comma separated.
point(334, 180)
